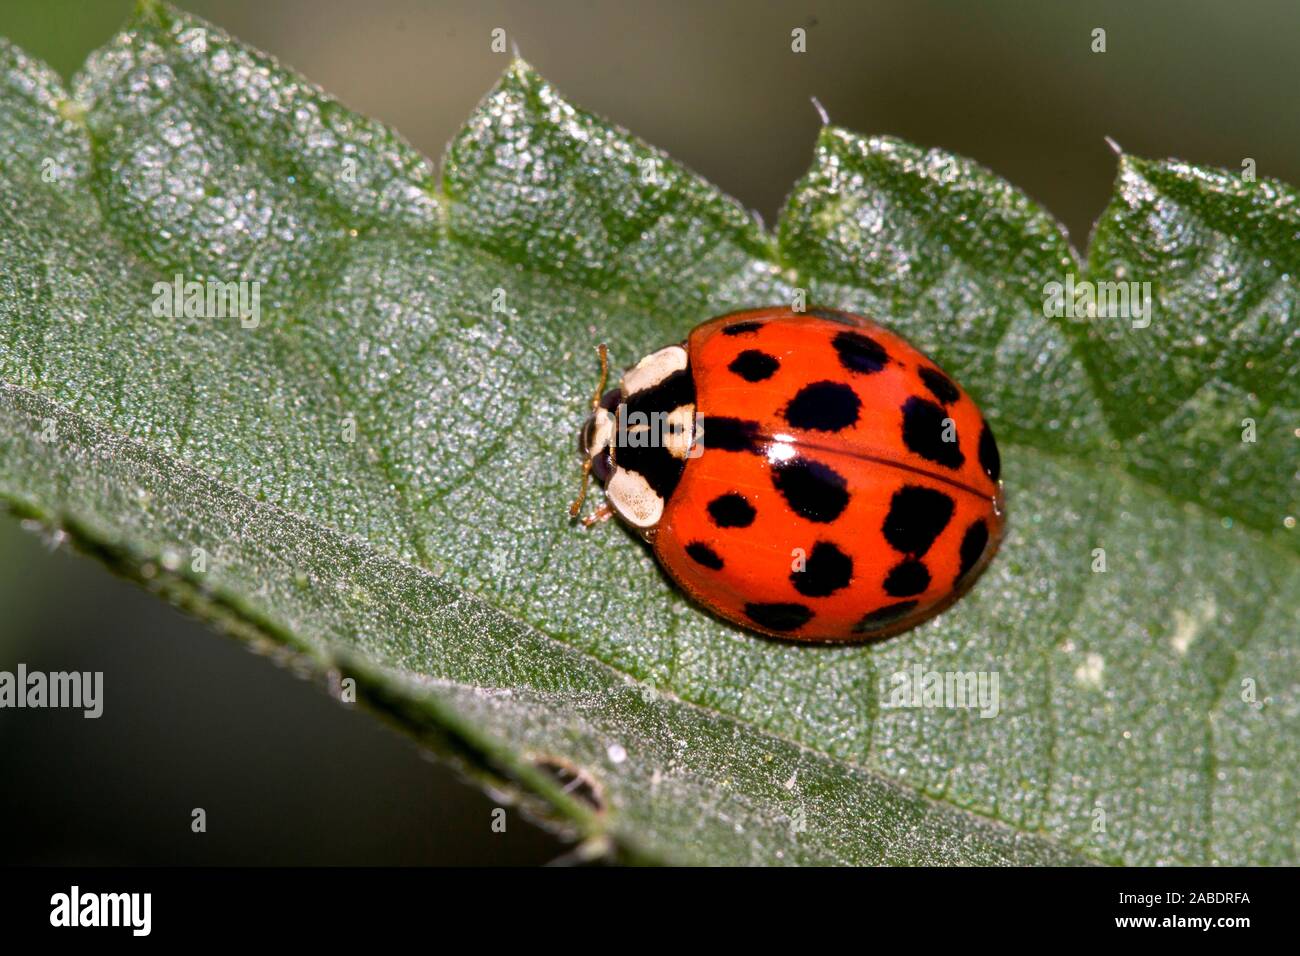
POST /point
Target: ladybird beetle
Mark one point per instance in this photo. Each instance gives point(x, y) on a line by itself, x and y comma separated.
point(807, 475)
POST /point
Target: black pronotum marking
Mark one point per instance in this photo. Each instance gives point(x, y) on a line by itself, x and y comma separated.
point(940, 385)
point(812, 490)
point(827, 570)
point(701, 553)
point(884, 615)
point(860, 353)
point(973, 543)
point(824, 407)
point(923, 432)
point(654, 463)
point(916, 517)
point(652, 460)
point(741, 328)
point(906, 578)
point(731, 511)
point(754, 366)
point(990, 460)
point(675, 390)
point(779, 616)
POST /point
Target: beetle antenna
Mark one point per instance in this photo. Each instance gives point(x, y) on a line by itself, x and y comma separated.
point(576, 508)
point(603, 352)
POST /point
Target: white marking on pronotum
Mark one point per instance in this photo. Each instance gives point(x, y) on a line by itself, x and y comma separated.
point(653, 369)
point(601, 433)
point(679, 430)
point(633, 498)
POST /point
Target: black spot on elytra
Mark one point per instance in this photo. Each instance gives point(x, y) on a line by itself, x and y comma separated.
point(834, 315)
point(754, 366)
point(916, 517)
point(906, 578)
point(990, 460)
point(940, 385)
point(824, 407)
point(924, 427)
point(826, 570)
point(884, 615)
point(701, 553)
point(740, 328)
point(812, 490)
point(860, 353)
point(779, 616)
point(728, 434)
point(731, 511)
point(973, 543)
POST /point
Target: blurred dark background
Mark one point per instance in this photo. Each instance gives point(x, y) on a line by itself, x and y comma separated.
point(287, 776)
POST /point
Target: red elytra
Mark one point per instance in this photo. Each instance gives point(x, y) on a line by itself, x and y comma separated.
point(807, 475)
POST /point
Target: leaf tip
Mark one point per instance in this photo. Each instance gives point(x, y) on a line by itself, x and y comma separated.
point(821, 111)
point(1128, 163)
point(519, 68)
point(830, 135)
point(150, 11)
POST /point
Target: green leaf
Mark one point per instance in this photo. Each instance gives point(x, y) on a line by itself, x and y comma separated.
point(371, 483)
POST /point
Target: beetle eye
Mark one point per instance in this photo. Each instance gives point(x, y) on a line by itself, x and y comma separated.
point(609, 401)
point(588, 432)
point(601, 466)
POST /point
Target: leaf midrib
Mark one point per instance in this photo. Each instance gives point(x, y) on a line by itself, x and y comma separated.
point(237, 606)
